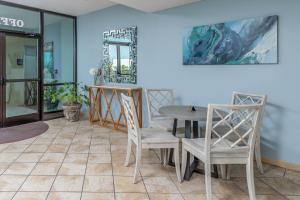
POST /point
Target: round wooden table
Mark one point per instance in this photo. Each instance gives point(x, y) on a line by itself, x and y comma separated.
point(182, 112)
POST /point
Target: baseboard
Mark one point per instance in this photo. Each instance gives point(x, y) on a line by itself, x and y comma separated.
point(283, 164)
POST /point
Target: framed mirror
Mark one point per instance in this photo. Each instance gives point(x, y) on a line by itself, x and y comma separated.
point(120, 55)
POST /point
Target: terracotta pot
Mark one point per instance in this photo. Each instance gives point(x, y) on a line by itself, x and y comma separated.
point(72, 112)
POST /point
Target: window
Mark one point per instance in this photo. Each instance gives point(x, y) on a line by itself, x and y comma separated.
point(59, 58)
point(18, 19)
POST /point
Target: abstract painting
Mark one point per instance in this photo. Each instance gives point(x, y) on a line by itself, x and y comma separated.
point(248, 41)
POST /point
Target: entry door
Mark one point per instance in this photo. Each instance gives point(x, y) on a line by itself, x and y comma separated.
point(19, 79)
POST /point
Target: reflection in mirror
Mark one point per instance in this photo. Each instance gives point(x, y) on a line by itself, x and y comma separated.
point(119, 55)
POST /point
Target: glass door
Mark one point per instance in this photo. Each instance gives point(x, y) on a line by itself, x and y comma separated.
point(20, 81)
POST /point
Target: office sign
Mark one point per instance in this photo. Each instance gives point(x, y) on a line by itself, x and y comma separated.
point(12, 22)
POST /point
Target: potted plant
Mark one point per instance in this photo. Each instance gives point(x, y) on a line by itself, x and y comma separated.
point(72, 97)
point(51, 100)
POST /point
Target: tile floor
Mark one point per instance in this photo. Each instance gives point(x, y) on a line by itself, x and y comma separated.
point(76, 161)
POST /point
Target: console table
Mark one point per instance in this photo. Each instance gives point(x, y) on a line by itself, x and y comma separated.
point(106, 105)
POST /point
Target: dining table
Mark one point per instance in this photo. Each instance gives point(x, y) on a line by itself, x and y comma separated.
point(194, 117)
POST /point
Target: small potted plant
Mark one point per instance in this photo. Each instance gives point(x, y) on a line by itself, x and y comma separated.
point(51, 100)
point(72, 97)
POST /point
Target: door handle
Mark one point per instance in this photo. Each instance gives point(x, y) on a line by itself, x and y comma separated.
point(2, 80)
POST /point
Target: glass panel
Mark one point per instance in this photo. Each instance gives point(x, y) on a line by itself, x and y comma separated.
point(21, 98)
point(51, 102)
point(113, 57)
point(21, 58)
point(58, 49)
point(125, 60)
point(18, 19)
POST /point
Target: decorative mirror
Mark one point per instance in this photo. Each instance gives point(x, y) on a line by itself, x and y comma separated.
point(120, 55)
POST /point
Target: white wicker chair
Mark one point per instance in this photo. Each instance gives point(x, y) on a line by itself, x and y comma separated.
point(239, 98)
point(146, 138)
point(239, 122)
point(156, 98)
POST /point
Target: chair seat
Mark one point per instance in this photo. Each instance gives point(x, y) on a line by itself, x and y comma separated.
point(154, 135)
point(222, 147)
point(165, 123)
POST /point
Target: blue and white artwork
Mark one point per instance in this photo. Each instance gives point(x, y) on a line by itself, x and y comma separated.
point(248, 41)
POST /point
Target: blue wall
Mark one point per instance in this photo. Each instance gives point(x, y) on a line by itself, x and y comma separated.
point(160, 58)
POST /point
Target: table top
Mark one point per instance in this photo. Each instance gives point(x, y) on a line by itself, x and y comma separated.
point(117, 87)
point(183, 112)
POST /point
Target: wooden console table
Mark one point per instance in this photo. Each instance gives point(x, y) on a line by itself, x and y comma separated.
point(103, 101)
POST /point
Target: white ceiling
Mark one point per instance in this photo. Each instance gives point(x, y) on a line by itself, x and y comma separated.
point(80, 7)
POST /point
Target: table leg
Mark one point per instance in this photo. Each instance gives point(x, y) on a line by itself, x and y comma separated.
point(172, 150)
point(187, 134)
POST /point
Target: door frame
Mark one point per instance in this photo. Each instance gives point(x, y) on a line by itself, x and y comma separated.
point(22, 118)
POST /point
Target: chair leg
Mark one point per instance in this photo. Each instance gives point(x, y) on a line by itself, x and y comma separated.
point(258, 155)
point(250, 179)
point(228, 171)
point(208, 181)
point(223, 171)
point(138, 160)
point(166, 156)
point(128, 153)
point(183, 162)
point(162, 158)
point(177, 163)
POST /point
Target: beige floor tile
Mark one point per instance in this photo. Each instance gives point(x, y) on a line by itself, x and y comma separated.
point(160, 185)
point(20, 168)
point(53, 157)
point(68, 184)
point(62, 141)
point(118, 149)
point(81, 141)
point(270, 197)
point(100, 149)
point(98, 169)
point(120, 170)
point(196, 185)
point(96, 141)
point(46, 169)
point(76, 158)
point(97, 196)
point(64, 196)
point(15, 148)
point(99, 158)
point(283, 186)
point(293, 175)
point(29, 157)
point(150, 157)
point(3, 167)
point(260, 187)
point(79, 148)
point(152, 170)
point(292, 197)
point(72, 169)
point(118, 141)
point(225, 187)
point(120, 158)
point(98, 184)
point(37, 148)
point(38, 183)
point(11, 183)
point(31, 196)
point(131, 196)
point(99, 135)
point(6, 195)
point(270, 171)
point(194, 196)
point(47, 141)
point(9, 157)
point(125, 184)
point(58, 148)
point(154, 196)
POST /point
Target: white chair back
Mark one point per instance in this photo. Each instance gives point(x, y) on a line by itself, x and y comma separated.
point(239, 98)
point(235, 128)
point(156, 98)
point(131, 118)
